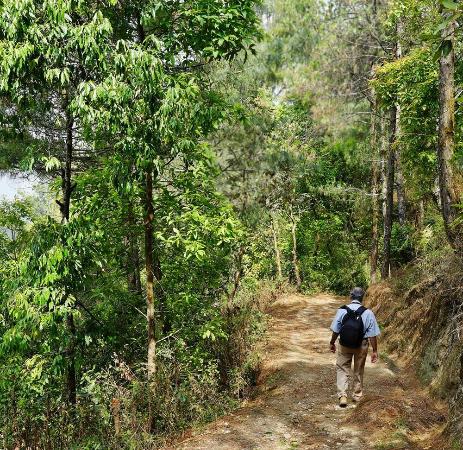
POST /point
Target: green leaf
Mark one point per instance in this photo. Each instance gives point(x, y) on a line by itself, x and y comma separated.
point(444, 49)
point(51, 163)
point(449, 4)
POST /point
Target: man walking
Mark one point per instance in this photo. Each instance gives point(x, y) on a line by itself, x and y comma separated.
point(357, 327)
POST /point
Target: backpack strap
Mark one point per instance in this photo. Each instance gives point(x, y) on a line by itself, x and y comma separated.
point(349, 313)
point(358, 312)
point(360, 309)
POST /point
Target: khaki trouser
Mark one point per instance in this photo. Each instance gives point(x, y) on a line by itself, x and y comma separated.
point(343, 369)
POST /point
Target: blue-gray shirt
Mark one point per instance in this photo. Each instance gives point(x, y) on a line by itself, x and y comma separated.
point(370, 325)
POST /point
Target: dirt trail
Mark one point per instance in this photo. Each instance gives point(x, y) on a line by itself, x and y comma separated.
point(296, 407)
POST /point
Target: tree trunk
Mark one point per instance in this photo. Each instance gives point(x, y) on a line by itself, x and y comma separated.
point(375, 193)
point(65, 207)
point(384, 151)
point(400, 188)
point(149, 265)
point(375, 156)
point(72, 377)
point(150, 298)
point(116, 410)
point(297, 274)
point(393, 173)
point(419, 218)
point(230, 355)
point(67, 175)
point(276, 248)
point(165, 325)
point(400, 183)
point(449, 196)
point(385, 270)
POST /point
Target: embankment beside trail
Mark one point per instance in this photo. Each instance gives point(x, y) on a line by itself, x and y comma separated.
point(420, 312)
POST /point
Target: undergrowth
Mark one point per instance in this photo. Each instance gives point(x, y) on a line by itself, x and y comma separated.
point(421, 310)
point(193, 386)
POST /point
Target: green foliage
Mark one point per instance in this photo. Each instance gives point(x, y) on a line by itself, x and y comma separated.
point(100, 94)
point(402, 244)
point(261, 169)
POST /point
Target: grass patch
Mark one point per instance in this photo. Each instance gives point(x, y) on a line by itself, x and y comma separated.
point(429, 363)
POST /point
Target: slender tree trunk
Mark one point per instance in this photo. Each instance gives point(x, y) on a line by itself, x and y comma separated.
point(419, 218)
point(276, 248)
point(297, 274)
point(165, 325)
point(400, 187)
point(116, 410)
point(400, 183)
point(384, 150)
point(149, 266)
point(394, 174)
point(65, 207)
point(150, 298)
point(375, 170)
point(375, 193)
point(67, 178)
point(449, 196)
point(72, 377)
point(385, 270)
point(228, 357)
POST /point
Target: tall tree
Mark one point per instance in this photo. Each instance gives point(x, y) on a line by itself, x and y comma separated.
point(375, 191)
point(375, 154)
point(449, 195)
point(400, 180)
point(159, 105)
point(38, 81)
point(295, 258)
point(394, 177)
point(274, 225)
point(389, 195)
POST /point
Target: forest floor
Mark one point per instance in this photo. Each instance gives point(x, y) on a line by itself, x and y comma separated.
point(295, 405)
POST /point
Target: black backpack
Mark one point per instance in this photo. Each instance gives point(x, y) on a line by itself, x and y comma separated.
point(352, 332)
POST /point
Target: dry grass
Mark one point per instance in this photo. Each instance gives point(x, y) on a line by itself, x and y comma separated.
point(421, 314)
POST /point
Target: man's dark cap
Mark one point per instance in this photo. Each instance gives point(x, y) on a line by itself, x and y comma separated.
point(357, 293)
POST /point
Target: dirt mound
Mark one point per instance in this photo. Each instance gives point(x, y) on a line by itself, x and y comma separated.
point(421, 315)
point(406, 421)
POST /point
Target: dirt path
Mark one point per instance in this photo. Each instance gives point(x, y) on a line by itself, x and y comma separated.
point(296, 407)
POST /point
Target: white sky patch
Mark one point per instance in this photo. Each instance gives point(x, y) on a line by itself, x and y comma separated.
point(10, 187)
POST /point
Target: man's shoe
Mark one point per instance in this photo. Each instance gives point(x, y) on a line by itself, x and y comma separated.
point(343, 402)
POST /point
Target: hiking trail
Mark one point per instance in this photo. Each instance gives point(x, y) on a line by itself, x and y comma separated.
point(296, 404)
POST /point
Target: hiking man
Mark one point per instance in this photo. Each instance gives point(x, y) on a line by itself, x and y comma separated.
point(356, 326)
